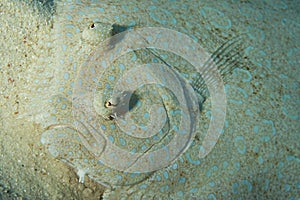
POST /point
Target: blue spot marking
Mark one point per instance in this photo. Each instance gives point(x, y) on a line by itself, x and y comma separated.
point(66, 76)
point(188, 157)
point(256, 149)
point(74, 66)
point(164, 97)
point(180, 194)
point(143, 186)
point(241, 149)
point(235, 188)
point(248, 74)
point(138, 104)
point(272, 124)
point(155, 137)
point(260, 160)
point(122, 141)
point(287, 187)
point(164, 188)
point(248, 184)
point(111, 138)
point(71, 26)
point(155, 60)
point(144, 147)
point(129, 80)
point(214, 14)
point(194, 190)
point(255, 34)
point(201, 149)
point(101, 9)
point(117, 18)
point(119, 177)
point(156, 18)
point(158, 178)
point(237, 166)
point(64, 47)
point(144, 127)
point(152, 7)
point(265, 138)
point(121, 66)
point(208, 173)
point(133, 150)
point(183, 132)
point(146, 115)
point(212, 184)
point(69, 17)
point(225, 164)
point(95, 80)
point(133, 127)
point(111, 78)
point(266, 185)
point(175, 128)
point(104, 64)
point(280, 165)
point(103, 127)
point(212, 196)
point(166, 174)
point(215, 168)
point(175, 112)
point(175, 166)
point(241, 90)
point(292, 158)
point(112, 126)
point(93, 70)
point(249, 112)
point(279, 174)
point(149, 38)
point(107, 86)
point(134, 57)
point(69, 34)
point(256, 129)
point(182, 180)
point(61, 135)
point(149, 76)
point(64, 106)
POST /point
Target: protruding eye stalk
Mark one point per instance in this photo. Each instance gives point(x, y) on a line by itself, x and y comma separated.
point(108, 104)
point(92, 25)
point(117, 106)
point(112, 117)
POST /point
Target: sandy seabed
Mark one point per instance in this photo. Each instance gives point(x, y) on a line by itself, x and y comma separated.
point(27, 171)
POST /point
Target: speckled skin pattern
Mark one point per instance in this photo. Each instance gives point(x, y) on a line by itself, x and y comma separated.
point(258, 154)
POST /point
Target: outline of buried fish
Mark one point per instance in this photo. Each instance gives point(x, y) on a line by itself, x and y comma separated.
point(112, 108)
point(116, 107)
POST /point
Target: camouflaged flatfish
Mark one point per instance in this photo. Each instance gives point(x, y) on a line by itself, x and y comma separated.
point(121, 120)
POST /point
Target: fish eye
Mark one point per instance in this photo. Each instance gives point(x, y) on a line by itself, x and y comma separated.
point(107, 104)
point(92, 25)
point(112, 117)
